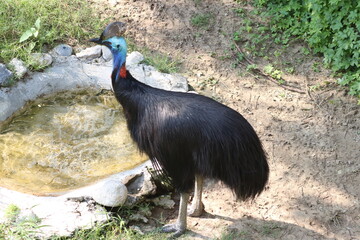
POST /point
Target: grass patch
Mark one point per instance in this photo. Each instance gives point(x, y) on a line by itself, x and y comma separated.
point(114, 229)
point(201, 20)
point(161, 62)
point(28, 26)
point(16, 227)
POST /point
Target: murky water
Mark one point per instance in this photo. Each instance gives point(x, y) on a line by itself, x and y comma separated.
point(65, 141)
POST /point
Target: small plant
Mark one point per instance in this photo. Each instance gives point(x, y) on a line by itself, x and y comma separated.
point(201, 20)
point(235, 234)
point(32, 32)
point(251, 67)
point(12, 212)
point(274, 73)
point(270, 229)
point(332, 31)
point(210, 82)
point(19, 228)
point(162, 63)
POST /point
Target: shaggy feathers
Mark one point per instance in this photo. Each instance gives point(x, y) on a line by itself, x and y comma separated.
point(187, 134)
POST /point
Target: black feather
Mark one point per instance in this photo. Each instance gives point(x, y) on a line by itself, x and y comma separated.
point(187, 134)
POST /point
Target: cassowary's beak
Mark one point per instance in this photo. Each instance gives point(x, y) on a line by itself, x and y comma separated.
point(113, 29)
point(96, 40)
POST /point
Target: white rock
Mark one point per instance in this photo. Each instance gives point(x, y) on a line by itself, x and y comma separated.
point(41, 59)
point(19, 67)
point(110, 193)
point(106, 53)
point(63, 50)
point(90, 53)
point(134, 58)
point(164, 201)
point(138, 218)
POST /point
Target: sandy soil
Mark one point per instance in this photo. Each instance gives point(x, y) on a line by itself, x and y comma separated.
point(312, 140)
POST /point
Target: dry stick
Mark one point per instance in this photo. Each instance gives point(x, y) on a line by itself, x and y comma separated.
point(266, 75)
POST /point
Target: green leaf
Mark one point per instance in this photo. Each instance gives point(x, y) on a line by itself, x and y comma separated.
point(26, 35)
point(37, 23)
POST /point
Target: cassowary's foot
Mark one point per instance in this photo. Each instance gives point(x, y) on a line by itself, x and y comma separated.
point(196, 210)
point(178, 230)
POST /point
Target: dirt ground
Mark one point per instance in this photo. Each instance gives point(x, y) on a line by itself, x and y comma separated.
point(312, 140)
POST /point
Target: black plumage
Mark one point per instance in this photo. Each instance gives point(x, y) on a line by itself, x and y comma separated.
point(188, 135)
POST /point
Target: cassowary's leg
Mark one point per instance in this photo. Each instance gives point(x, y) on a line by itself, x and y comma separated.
point(180, 226)
point(197, 207)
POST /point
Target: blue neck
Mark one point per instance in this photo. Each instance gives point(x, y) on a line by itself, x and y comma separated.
point(118, 48)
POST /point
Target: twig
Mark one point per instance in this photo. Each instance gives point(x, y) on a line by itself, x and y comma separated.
point(267, 76)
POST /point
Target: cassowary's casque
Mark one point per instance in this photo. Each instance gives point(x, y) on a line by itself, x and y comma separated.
point(188, 136)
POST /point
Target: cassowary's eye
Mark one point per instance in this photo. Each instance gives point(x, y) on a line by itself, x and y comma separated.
point(118, 46)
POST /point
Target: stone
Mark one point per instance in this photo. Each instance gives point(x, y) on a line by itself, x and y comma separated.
point(110, 193)
point(41, 59)
point(63, 50)
point(164, 202)
point(5, 75)
point(141, 184)
point(135, 58)
point(106, 53)
point(137, 217)
point(113, 3)
point(19, 67)
point(90, 53)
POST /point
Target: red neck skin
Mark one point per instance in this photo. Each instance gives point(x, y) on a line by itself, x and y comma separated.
point(122, 72)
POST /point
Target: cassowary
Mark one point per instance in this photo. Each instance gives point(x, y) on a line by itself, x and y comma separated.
point(186, 135)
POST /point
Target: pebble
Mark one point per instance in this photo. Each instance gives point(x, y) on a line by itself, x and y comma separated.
point(164, 201)
point(41, 59)
point(63, 50)
point(90, 53)
point(19, 67)
point(134, 58)
point(110, 193)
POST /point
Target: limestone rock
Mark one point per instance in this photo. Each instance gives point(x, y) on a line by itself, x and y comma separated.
point(19, 67)
point(63, 50)
point(110, 193)
point(141, 184)
point(106, 53)
point(41, 59)
point(164, 201)
point(5, 75)
point(134, 58)
point(138, 218)
point(90, 53)
point(150, 76)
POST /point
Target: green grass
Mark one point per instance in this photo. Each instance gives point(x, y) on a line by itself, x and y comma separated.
point(41, 24)
point(17, 227)
point(161, 62)
point(201, 20)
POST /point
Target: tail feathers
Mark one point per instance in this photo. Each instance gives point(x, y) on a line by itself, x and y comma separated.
point(243, 169)
point(250, 183)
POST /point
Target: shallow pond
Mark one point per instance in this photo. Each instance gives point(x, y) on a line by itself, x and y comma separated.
point(65, 141)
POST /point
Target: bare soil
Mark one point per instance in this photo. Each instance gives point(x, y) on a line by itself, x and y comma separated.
point(312, 140)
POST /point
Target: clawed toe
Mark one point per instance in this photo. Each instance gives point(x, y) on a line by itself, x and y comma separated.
point(169, 228)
